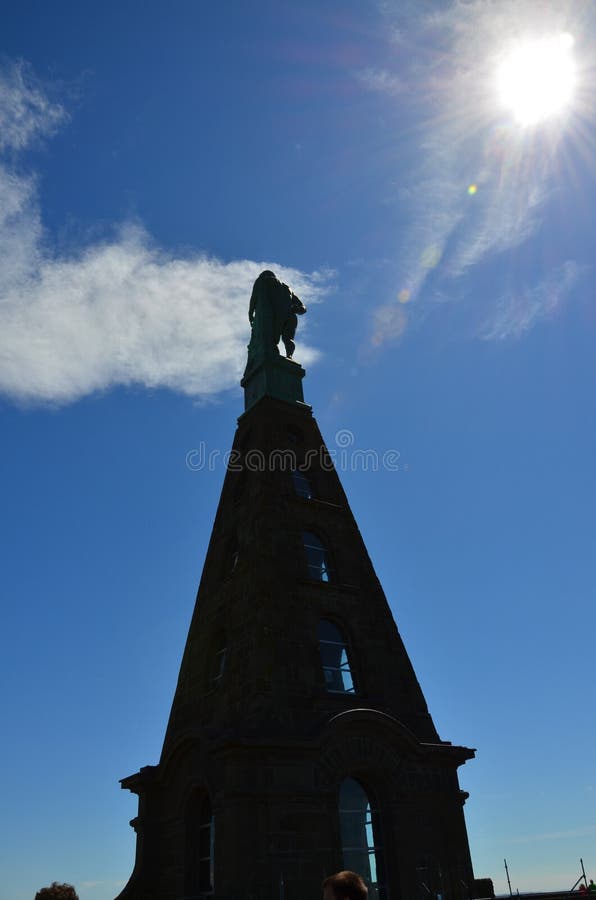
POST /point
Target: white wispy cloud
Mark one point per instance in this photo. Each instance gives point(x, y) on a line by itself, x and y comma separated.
point(515, 312)
point(117, 312)
point(480, 184)
point(25, 110)
point(381, 80)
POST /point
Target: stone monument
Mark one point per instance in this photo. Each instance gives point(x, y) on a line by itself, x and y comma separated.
point(299, 741)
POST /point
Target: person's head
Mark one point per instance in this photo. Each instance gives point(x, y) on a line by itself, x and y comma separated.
point(344, 886)
point(57, 892)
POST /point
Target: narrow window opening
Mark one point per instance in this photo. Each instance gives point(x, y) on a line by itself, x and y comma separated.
point(200, 848)
point(302, 485)
point(360, 836)
point(219, 663)
point(334, 659)
point(206, 851)
point(232, 557)
point(317, 558)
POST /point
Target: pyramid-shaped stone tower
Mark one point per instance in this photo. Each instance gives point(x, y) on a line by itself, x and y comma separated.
point(299, 742)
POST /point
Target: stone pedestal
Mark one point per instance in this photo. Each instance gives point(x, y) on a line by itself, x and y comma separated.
point(276, 377)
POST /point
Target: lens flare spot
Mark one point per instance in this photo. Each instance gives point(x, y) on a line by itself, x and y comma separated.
point(404, 296)
point(472, 189)
point(430, 257)
point(391, 321)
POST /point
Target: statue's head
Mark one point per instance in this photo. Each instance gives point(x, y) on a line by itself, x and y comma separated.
point(267, 274)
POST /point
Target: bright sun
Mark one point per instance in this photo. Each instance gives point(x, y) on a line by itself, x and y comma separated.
point(537, 78)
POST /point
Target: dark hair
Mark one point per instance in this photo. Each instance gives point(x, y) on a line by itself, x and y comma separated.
point(348, 885)
point(57, 892)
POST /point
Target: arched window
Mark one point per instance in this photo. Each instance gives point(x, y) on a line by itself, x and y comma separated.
point(334, 659)
point(302, 485)
point(200, 846)
point(317, 557)
point(360, 837)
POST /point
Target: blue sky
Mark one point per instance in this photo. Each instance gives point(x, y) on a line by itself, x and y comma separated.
point(152, 162)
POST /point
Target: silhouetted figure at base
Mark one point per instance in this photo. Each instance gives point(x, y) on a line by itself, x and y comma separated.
point(57, 892)
point(345, 886)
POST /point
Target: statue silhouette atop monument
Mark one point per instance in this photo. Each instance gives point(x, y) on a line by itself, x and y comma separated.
point(272, 314)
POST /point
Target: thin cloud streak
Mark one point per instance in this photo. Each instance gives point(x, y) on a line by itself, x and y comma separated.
point(516, 313)
point(118, 312)
point(381, 80)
